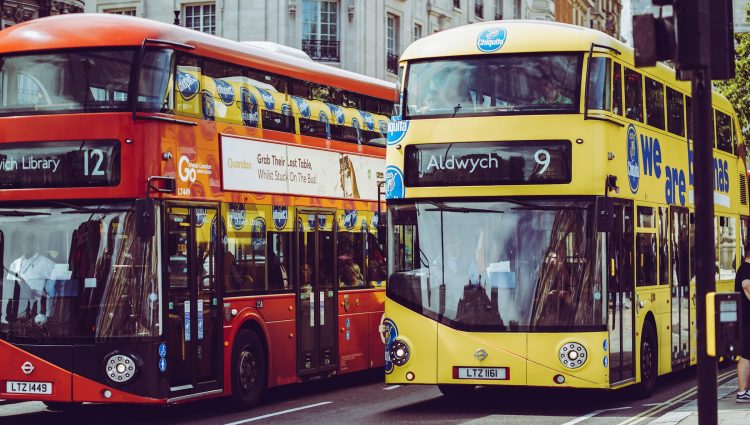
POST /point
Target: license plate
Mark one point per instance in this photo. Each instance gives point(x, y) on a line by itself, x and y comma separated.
point(488, 373)
point(16, 387)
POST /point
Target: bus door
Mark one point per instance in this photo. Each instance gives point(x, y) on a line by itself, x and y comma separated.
point(194, 323)
point(620, 295)
point(317, 292)
point(680, 291)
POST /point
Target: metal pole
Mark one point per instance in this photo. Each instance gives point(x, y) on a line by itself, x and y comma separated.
point(703, 170)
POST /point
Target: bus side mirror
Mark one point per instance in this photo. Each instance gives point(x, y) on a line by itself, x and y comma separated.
point(145, 220)
point(604, 210)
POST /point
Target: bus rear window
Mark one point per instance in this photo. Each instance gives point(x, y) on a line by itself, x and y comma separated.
point(65, 82)
point(538, 83)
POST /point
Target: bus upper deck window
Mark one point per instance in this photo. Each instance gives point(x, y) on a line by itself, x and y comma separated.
point(599, 84)
point(633, 95)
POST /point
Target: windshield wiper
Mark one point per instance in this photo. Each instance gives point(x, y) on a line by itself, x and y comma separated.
point(441, 207)
point(18, 213)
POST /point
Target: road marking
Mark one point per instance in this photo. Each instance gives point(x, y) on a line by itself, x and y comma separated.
point(393, 387)
point(283, 412)
point(592, 414)
point(651, 404)
point(679, 398)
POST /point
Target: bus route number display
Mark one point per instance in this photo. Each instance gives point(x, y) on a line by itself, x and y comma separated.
point(70, 163)
point(488, 163)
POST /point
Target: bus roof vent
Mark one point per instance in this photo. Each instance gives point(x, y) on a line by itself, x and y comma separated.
point(743, 189)
point(279, 48)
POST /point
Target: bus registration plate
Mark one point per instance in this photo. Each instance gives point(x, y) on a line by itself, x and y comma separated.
point(16, 387)
point(490, 373)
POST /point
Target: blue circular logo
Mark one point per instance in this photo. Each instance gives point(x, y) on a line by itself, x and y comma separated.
point(162, 350)
point(368, 120)
point(208, 105)
point(604, 345)
point(249, 107)
point(350, 218)
point(163, 364)
point(491, 40)
point(390, 333)
point(268, 99)
point(396, 131)
point(311, 221)
point(225, 91)
point(634, 169)
point(322, 221)
point(280, 216)
point(337, 112)
point(237, 216)
point(394, 183)
point(187, 84)
point(303, 106)
point(200, 216)
point(374, 221)
point(286, 110)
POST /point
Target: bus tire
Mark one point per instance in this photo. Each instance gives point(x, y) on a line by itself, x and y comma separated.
point(457, 390)
point(248, 369)
point(62, 406)
point(649, 360)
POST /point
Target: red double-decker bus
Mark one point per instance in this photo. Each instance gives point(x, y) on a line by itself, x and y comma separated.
point(182, 216)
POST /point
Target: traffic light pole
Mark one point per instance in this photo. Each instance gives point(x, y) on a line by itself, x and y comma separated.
point(705, 261)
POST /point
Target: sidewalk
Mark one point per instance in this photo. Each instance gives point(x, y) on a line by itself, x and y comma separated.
point(730, 412)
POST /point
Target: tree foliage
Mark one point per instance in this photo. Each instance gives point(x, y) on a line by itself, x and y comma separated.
point(737, 90)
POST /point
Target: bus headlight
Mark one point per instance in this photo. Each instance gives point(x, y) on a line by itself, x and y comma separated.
point(572, 355)
point(399, 352)
point(120, 368)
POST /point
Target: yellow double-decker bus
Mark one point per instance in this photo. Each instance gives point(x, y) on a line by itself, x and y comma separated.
point(540, 212)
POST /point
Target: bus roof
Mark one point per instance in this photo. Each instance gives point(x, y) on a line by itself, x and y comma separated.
point(87, 30)
point(527, 36)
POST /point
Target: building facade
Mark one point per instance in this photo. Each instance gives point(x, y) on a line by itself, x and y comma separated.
point(364, 36)
point(603, 15)
point(16, 11)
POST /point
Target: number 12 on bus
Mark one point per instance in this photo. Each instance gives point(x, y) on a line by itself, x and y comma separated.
point(540, 212)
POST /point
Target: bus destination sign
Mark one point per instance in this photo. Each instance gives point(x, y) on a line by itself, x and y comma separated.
point(488, 163)
point(70, 163)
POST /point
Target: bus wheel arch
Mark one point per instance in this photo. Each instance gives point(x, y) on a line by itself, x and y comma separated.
point(249, 370)
point(648, 357)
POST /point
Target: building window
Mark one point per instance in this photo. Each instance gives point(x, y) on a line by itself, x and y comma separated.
point(417, 31)
point(320, 29)
point(498, 10)
point(392, 42)
point(479, 9)
point(457, 4)
point(516, 9)
point(201, 17)
point(128, 12)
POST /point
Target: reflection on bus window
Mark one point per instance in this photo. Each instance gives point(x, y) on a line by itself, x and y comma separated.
point(93, 278)
point(498, 265)
point(675, 112)
point(493, 85)
point(633, 95)
point(727, 247)
point(599, 84)
point(655, 102)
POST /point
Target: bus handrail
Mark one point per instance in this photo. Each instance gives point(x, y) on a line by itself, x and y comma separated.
point(588, 74)
point(133, 92)
point(165, 119)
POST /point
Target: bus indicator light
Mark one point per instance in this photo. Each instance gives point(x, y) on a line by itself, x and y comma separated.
point(491, 40)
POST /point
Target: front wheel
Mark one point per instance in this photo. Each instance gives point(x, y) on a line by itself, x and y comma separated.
point(649, 362)
point(248, 369)
point(457, 390)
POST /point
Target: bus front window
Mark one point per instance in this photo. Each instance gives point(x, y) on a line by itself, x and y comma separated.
point(501, 84)
point(65, 82)
point(77, 274)
point(507, 266)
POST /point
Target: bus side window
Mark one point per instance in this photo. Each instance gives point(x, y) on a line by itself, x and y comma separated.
point(598, 92)
point(655, 103)
point(633, 95)
point(675, 112)
point(617, 90)
point(724, 132)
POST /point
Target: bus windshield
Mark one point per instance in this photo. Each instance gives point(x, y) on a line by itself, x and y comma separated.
point(73, 273)
point(500, 265)
point(492, 85)
point(65, 82)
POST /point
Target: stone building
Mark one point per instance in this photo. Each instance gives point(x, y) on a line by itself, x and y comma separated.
point(16, 11)
point(603, 15)
point(364, 36)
